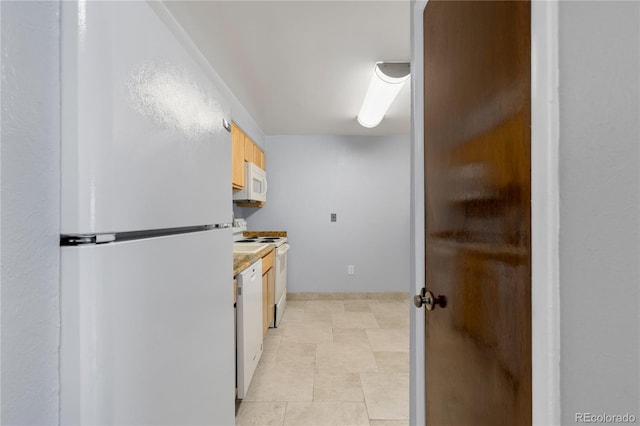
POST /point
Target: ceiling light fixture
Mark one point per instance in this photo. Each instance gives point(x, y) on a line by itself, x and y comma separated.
point(386, 82)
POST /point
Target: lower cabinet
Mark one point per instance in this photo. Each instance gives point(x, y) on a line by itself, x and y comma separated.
point(268, 291)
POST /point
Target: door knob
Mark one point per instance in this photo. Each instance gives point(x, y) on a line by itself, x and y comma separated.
point(430, 301)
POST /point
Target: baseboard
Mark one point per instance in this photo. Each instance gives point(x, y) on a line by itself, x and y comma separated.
point(385, 295)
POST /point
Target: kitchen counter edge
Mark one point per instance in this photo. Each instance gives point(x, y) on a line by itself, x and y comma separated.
point(242, 261)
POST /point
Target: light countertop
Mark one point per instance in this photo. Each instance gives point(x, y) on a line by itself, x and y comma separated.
point(242, 261)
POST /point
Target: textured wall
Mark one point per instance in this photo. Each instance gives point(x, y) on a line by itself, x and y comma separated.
point(30, 198)
point(599, 186)
point(170, 13)
point(365, 181)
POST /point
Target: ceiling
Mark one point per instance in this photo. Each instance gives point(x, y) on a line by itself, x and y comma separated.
point(303, 67)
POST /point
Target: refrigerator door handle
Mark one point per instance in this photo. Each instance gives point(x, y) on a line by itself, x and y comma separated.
point(223, 225)
point(86, 239)
point(89, 239)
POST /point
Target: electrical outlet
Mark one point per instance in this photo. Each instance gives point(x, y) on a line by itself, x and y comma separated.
point(351, 270)
point(334, 217)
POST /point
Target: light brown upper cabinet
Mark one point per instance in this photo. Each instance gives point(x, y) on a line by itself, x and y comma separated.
point(248, 149)
point(243, 149)
point(237, 157)
point(258, 157)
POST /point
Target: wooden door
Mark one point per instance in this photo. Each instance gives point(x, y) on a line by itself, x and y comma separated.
point(477, 206)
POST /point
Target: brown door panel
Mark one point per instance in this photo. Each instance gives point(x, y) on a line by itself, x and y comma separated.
point(477, 207)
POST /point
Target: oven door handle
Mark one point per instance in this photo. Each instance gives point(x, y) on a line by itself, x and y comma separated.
point(283, 249)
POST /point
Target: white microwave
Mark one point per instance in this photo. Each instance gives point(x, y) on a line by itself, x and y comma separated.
point(255, 185)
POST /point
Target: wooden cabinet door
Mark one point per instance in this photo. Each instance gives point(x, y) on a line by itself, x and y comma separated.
point(258, 156)
point(248, 149)
point(237, 157)
point(477, 142)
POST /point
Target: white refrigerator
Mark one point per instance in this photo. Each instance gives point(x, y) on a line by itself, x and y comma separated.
point(147, 320)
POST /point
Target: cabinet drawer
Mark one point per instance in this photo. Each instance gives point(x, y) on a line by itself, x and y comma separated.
point(267, 261)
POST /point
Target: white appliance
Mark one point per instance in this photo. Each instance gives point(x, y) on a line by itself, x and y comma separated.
point(281, 281)
point(249, 325)
point(282, 248)
point(255, 184)
point(146, 264)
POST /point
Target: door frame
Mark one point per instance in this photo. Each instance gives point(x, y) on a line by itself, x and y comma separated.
point(545, 287)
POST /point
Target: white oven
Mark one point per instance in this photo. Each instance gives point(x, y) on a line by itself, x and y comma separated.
point(255, 184)
point(281, 281)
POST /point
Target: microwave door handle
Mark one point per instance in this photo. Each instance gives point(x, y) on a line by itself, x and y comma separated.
point(266, 185)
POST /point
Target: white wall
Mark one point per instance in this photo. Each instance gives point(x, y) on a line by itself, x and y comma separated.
point(29, 203)
point(238, 113)
point(599, 186)
point(365, 180)
point(417, 355)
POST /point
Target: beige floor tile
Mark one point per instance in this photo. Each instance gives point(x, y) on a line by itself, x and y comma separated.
point(388, 339)
point(354, 320)
point(333, 361)
point(391, 319)
point(296, 304)
point(389, 422)
point(317, 315)
point(261, 413)
point(350, 335)
point(295, 355)
point(292, 315)
point(308, 332)
point(356, 306)
point(281, 384)
point(386, 395)
point(270, 345)
point(326, 414)
point(392, 362)
point(345, 357)
point(389, 306)
point(322, 305)
point(278, 331)
point(332, 386)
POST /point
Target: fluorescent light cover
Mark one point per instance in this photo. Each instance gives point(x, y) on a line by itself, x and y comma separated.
point(386, 83)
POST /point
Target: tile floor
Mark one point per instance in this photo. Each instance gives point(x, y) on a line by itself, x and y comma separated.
point(333, 362)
